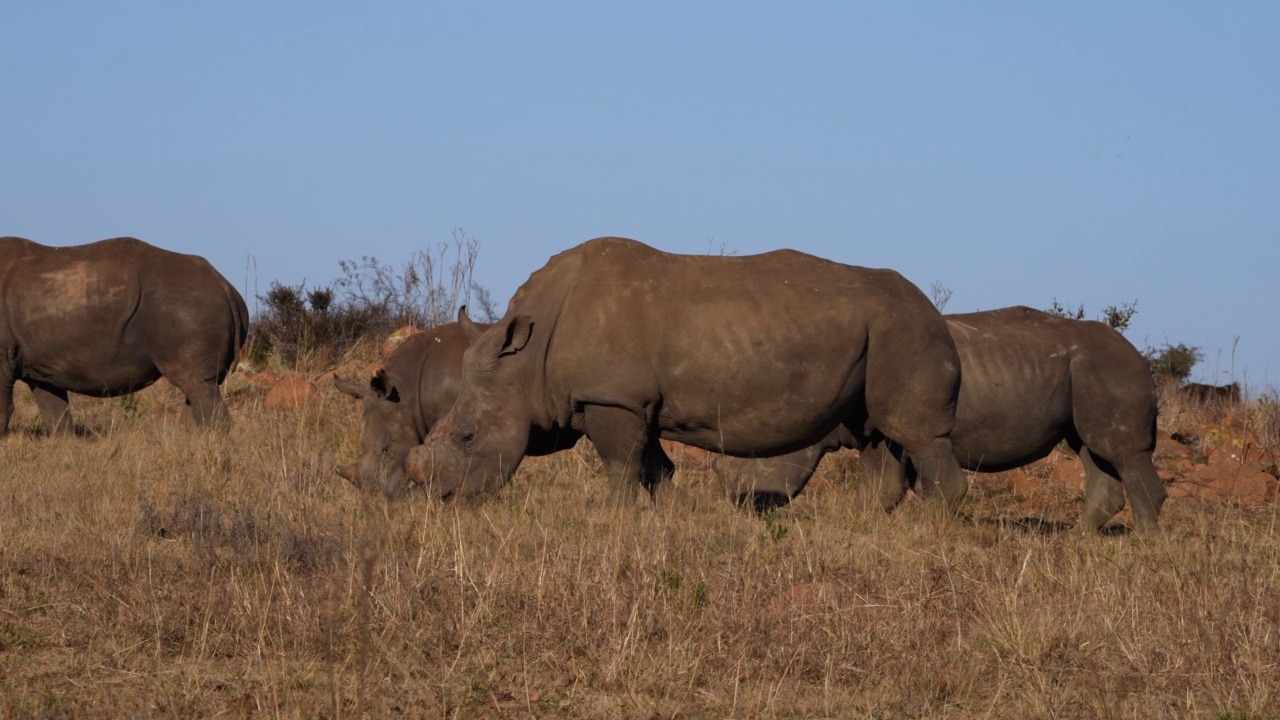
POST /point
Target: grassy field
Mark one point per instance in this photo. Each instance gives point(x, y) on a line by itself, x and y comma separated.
point(150, 569)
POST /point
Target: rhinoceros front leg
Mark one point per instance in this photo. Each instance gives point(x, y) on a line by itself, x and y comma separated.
point(623, 439)
point(55, 412)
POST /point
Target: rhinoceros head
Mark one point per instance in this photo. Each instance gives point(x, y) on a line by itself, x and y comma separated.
point(477, 446)
point(390, 432)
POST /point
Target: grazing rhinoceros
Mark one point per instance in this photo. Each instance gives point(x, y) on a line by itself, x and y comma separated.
point(402, 402)
point(1211, 394)
point(752, 355)
point(1030, 380)
point(109, 318)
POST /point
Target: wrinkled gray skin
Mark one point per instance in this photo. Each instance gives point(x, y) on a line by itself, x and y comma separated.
point(416, 386)
point(755, 355)
point(1030, 381)
point(110, 318)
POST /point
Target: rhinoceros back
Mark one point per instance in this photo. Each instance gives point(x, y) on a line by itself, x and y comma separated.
point(742, 354)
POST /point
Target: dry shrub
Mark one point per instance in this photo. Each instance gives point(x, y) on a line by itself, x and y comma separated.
point(299, 329)
point(1264, 415)
point(156, 570)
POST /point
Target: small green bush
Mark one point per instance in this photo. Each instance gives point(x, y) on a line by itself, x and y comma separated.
point(1173, 360)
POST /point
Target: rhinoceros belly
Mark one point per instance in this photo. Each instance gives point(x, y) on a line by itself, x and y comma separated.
point(93, 374)
point(995, 433)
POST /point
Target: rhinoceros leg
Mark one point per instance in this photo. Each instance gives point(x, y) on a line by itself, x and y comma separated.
point(883, 481)
point(938, 473)
point(204, 402)
point(1145, 489)
point(6, 399)
point(767, 483)
point(912, 382)
point(1107, 482)
point(623, 440)
point(54, 409)
point(1103, 493)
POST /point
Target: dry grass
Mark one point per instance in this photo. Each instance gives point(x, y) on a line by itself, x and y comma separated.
point(154, 570)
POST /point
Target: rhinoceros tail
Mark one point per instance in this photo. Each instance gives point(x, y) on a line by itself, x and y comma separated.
point(240, 323)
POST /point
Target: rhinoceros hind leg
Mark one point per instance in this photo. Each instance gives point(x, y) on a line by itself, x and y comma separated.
point(1108, 482)
point(55, 413)
point(766, 484)
point(1145, 489)
point(205, 404)
point(1103, 493)
point(939, 473)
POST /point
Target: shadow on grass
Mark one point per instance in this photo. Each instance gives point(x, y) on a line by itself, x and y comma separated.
point(34, 432)
point(1040, 526)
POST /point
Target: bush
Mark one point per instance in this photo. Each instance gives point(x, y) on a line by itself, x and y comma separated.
point(426, 291)
point(300, 327)
point(293, 332)
point(1173, 360)
point(1116, 316)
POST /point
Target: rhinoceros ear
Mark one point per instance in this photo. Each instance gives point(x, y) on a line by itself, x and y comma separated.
point(507, 337)
point(468, 327)
point(516, 333)
point(382, 387)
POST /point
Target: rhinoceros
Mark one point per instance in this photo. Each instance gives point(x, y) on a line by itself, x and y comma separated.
point(1029, 381)
point(415, 387)
point(752, 355)
point(110, 318)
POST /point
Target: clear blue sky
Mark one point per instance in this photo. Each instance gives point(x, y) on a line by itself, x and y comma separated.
point(1016, 152)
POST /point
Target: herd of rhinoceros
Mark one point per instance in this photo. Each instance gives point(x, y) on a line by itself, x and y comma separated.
point(772, 360)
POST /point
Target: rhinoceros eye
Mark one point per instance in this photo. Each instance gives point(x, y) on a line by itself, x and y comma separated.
point(465, 436)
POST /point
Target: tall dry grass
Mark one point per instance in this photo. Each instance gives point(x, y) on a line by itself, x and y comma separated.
point(155, 570)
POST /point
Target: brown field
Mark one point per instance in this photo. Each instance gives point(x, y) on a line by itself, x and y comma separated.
point(150, 569)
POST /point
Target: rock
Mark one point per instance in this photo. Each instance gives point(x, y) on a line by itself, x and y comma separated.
point(263, 380)
point(290, 392)
point(1180, 468)
point(1068, 473)
point(1227, 482)
point(1170, 449)
point(1022, 482)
